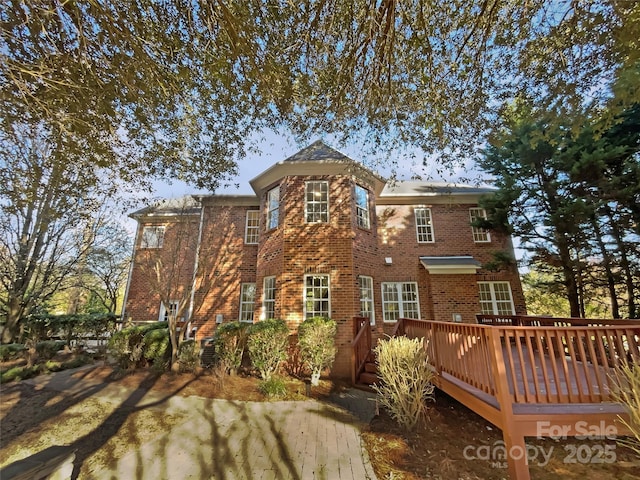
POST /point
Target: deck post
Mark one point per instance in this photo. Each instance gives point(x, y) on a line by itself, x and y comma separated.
point(516, 450)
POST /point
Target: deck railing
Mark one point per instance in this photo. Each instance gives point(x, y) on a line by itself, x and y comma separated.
point(360, 346)
point(540, 321)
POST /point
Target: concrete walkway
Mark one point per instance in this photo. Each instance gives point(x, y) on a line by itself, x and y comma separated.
point(228, 440)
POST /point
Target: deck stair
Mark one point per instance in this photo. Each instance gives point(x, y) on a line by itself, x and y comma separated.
point(370, 374)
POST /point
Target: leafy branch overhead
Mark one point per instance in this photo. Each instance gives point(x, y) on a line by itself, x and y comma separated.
point(174, 89)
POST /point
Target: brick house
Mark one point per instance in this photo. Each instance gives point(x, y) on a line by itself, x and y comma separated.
point(322, 235)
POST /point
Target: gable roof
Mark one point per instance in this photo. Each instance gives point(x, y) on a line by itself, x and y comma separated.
point(185, 205)
point(316, 159)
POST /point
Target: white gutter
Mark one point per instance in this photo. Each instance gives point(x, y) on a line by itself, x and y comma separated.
point(195, 267)
point(126, 291)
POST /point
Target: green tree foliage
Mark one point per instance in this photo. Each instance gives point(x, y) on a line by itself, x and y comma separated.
point(173, 88)
point(316, 338)
point(573, 200)
point(267, 343)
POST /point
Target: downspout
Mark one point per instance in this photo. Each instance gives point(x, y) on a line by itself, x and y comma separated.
point(133, 257)
point(195, 267)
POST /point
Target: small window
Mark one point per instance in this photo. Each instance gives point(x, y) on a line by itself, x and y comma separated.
point(362, 207)
point(317, 202)
point(316, 296)
point(269, 297)
point(152, 237)
point(165, 312)
point(400, 300)
point(424, 225)
point(480, 235)
point(247, 301)
point(251, 229)
point(273, 212)
point(495, 298)
point(366, 298)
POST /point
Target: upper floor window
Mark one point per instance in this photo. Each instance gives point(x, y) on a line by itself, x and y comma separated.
point(400, 300)
point(424, 225)
point(317, 202)
point(366, 298)
point(362, 207)
point(247, 301)
point(479, 234)
point(251, 228)
point(273, 212)
point(269, 297)
point(152, 237)
point(495, 298)
point(316, 296)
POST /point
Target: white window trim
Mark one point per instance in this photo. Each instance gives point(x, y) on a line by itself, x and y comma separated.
point(494, 300)
point(159, 238)
point(372, 318)
point(271, 210)
point(306, 201)
point(163, 310)
point(365, 209)
point(304, 293)
point(242, 302)
point(400, 303)
point(264, 298)
point(476, 232)
point(430, 226)
point(246, 227)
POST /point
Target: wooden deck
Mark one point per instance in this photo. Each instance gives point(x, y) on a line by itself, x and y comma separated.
point(530, 376)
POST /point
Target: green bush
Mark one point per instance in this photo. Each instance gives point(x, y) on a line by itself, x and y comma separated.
point(274, 387)
point(47, 349)
point(189, 356)
point(128, 345)
point(230, 341)
point(156, 346)
point(10, 350)
point(268, 342)
point(316, 338)
point(22, 373)
point(405, 379)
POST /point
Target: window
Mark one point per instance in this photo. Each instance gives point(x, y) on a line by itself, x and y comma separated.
point(247, 299)
point(269, 297)
point(273, 212)
point(165, 312)
point(251, 229)
point(495, 298)
point(152, 237)
point(316, 296)
point(424, 226)
point(362, 207)
point(479, 234)
point(400, 300)
point(366, 298)
point(317, 202)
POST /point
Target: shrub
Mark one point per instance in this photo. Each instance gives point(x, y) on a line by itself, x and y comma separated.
point(127, 346)
point(189, 356)
point(316, 337)
point(10, 350)
point(47, 349)
point(156, 346)
point(273, 387)
point(405, 379)
point(268, 341)
point(627, 392)
point(230, 341)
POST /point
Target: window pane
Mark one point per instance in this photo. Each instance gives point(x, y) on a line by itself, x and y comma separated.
point(317, 296)
point(366, 298)
point(479, 234)
point(247, 297)
point(400, 300)
point(424, 227)
point(317, 202)
point(495, 298)
point(273, 212)
point(362, 207)
point(252, 226)
point(269, 294)
point(152, 237)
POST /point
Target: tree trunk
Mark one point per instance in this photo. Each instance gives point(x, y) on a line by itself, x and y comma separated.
point(606, 261)
point(12, 324)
